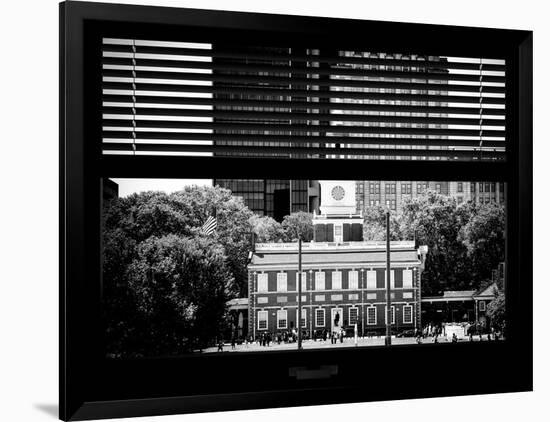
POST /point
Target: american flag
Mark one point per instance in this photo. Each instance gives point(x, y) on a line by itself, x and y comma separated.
point(210, 224)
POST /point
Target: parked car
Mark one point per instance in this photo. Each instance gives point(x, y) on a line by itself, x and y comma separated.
point(406, 333)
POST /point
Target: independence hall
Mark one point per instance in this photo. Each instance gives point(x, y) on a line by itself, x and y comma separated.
point(343, 277)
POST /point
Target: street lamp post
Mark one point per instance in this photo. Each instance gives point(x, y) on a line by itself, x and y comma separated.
point(299, 293)
point(388, 279)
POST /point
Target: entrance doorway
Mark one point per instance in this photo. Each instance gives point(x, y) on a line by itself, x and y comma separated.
point(336, 319)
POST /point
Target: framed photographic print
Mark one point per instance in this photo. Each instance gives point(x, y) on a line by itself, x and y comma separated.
point(268, 210)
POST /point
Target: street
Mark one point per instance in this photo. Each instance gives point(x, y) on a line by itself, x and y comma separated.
point(348, 342)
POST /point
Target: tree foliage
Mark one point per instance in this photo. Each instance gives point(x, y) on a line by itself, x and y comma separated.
point(297, 225)
point(496, 310)
point(266, 229)
point(161, 273)
point(374, 224)
point(484, 238)
point(465, 242)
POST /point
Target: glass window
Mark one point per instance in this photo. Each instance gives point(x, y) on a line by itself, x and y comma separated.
point(371, 315)
point(336, 280)
point(371, 279)
point(281, 282)
point(407, 314)
point(262, 282)
point(303, 319)
point(262, 320)
point(353, 280)
point(281, 319)
point(407, 279)
point(320, 280)
point(304, 280)
point(319, 317)
point(353, 314)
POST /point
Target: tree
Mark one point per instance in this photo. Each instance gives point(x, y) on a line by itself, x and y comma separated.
point(146, 214)
point(433, 220)
point(484, 237)
point(181, 286)
point(496, 310)
point(266, 229)
point(140, 224)
point(374, 224)
point(298, 225)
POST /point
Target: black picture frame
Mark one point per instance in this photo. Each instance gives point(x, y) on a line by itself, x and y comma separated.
point(93, 387)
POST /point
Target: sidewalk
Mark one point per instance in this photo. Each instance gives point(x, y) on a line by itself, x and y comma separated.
point(320, 344)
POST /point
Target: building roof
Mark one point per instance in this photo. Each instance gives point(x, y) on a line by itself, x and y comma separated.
point(352, 253)
point(488, 291)
point(459, 293)
point(238, 304)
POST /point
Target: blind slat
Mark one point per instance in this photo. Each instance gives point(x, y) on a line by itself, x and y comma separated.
point(315, 71)
point(211, 98)
point(301, 58)
point(284, 104)
point(295, 116)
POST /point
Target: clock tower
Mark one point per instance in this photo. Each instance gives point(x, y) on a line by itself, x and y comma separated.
point(339, 221)
point(337, 197)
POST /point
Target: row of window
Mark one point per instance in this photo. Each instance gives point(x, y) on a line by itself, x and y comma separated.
point(353, 280)
point(332, 298)
point(320, 317)
point(406, 188)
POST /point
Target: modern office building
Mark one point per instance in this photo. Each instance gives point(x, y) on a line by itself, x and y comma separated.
point(274, 198)
point(392, 194)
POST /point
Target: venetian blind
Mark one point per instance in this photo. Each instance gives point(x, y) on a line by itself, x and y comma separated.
point(203, 99)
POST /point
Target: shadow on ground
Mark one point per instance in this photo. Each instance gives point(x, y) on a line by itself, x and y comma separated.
point(49, 409)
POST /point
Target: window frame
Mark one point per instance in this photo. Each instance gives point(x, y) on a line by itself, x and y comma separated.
point(83, 374)
point(317, 310)
point(279, 319)
point(355, 280)
point(282, 282)
point(320, 280)
point(339, 272)
point(368, 316)
point(356, 309)
point(266, 313)
point(409, 307)
point(264, 282)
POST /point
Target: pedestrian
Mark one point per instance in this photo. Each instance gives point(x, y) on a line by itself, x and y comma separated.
point(455, 338)
point(233, 343)
point(220, 346)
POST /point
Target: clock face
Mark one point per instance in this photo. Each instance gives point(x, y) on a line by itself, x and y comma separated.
point(338, 192)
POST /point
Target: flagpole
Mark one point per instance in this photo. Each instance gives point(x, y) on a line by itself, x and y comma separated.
point(299, 293)
point(388, 280)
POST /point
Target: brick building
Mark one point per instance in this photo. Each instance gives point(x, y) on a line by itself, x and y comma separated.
point(343, 281)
